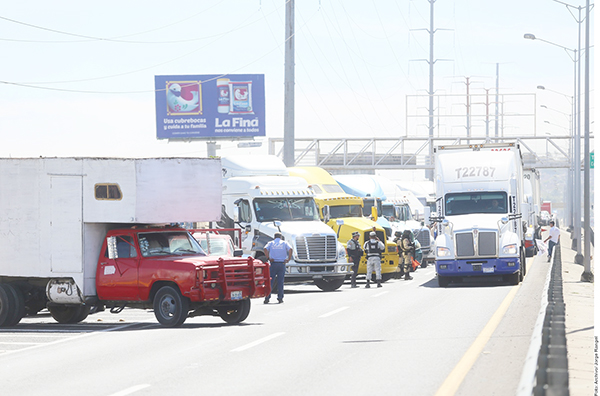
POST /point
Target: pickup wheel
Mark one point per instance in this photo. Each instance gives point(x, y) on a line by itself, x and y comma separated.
point(170, 307)
point(69, 314)
point(236, 315)
point(329, 285)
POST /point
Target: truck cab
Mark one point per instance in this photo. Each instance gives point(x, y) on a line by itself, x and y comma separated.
point(261, 198)
point(344, 214)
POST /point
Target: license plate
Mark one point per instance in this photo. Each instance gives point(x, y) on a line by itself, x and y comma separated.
point(476, 267)
point(488, 270)
point(236, 295)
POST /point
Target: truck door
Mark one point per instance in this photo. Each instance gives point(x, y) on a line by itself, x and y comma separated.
point(117, 277)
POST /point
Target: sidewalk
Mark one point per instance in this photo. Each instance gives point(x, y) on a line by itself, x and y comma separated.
point(579, 321)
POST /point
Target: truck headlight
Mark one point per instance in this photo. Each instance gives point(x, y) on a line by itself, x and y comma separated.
point(510, 249)
point(442, 251)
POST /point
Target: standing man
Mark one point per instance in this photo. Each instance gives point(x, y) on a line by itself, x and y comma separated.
point(554, 237)
point(278, 253)
point(407, 247)
point(374, 247)
point(355, 252)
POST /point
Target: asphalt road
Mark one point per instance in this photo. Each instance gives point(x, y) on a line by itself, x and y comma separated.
point(407, 338)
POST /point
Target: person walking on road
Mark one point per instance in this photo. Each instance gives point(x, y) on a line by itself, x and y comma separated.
point(553, 237)
point(278, 253)
point(407, 247)
point(355, 252)
point(374, 247)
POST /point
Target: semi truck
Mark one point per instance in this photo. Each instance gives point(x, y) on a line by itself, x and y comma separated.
point(91, 233)
point(532, 187)
point(479, 193)
point(261, 198)
point(343, 213)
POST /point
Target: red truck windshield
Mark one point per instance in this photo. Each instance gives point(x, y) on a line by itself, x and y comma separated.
point(168, 243)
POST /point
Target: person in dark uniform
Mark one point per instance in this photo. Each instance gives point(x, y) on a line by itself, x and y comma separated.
point(355, 252)
point(407, 247)
point(374, 247)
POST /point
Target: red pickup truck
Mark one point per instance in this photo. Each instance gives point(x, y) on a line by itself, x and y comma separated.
point(166, 269)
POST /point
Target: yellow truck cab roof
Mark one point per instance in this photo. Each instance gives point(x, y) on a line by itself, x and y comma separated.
point(324, 186)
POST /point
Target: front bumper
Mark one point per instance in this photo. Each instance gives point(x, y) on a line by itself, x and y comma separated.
point(301, 272)
point(478, 267)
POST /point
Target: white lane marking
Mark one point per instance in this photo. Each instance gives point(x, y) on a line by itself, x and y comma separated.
point(68, 339)
point(131, 390)
point(379, 294)
point(333, 312)
point(21, 343)
point(257, 342)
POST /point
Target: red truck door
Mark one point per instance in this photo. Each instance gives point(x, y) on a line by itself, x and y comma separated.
point(117, 274)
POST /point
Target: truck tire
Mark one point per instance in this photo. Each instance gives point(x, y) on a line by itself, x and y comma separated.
point(237, 315)
point(170, 307)
point(329, 285)
point(69, 314)
point(443, 281)
point(6, 307)
point(18, 311)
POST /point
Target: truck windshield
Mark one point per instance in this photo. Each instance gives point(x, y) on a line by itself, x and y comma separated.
point(468, 203)
point(168, 243)
point(345, 211)
point(389, 211)
point(285, 209)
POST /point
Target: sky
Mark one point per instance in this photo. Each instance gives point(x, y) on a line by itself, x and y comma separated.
point(77, 78)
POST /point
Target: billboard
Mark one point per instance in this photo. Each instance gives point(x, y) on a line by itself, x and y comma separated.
point(210, 106)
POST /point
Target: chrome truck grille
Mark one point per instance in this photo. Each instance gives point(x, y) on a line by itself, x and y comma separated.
point(485, 246)
point(423, 237)
point(316, 248)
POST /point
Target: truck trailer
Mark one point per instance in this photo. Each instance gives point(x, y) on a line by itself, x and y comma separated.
point(93, 233)
point(479, 190)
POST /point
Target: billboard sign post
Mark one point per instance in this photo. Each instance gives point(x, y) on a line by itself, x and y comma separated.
point(210, 106)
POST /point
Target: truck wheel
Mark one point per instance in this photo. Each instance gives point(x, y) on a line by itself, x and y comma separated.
point(69, 314)
point(6, 307)
point(443, 281)
point(18, 311)
point(170, 307)
point(424, 263)
point(237, 315)
point(329, 285)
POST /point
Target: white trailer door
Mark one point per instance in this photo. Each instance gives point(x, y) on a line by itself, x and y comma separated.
point(66, 224)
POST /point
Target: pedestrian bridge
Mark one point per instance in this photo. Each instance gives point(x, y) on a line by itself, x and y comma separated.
point(369, 154)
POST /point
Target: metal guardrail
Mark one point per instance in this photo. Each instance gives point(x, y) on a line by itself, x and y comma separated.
point(552, 376)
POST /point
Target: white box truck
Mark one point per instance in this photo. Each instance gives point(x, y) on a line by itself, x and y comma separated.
point(260, 197)
point(479, 190)
point(78, 233)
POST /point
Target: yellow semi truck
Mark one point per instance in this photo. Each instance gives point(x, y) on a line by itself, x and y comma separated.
point(344, 214)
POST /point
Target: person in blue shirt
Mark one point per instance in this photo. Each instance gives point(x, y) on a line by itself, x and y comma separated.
point(278, 253)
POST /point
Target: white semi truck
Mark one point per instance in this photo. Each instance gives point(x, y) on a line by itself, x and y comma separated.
point(261, 198)
point(479, 192)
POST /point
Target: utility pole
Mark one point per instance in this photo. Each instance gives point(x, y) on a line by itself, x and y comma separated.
point(430, 92)
point(497, 97)
point(429, 172)
point(288, 107)
point(587, 274)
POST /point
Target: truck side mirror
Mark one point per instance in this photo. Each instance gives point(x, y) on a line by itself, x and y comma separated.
point(236, 214)
point(339, 223)
point(326, 214)
point(374, 213)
